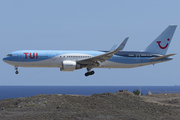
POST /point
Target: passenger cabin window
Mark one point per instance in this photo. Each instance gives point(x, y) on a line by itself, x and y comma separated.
point(10, 55)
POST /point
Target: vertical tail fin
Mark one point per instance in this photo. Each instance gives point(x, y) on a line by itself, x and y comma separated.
point(161, 43)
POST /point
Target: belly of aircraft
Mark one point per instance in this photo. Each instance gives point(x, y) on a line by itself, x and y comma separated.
point(111, 63)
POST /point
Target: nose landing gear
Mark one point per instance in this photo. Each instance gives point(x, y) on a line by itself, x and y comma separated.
point(16, 68)
point(16, 72)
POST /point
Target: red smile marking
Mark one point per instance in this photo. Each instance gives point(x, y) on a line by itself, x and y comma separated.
point(161, 46)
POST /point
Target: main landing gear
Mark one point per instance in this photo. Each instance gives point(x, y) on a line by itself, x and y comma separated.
point(89, 73)
point(89, 67)
point(16, 68)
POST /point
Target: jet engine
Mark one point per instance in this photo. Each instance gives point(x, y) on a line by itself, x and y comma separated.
point(70, 66)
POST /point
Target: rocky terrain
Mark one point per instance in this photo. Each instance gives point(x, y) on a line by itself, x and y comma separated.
point(106, 106)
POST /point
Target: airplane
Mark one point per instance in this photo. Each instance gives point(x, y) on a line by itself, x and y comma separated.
point(70, 60)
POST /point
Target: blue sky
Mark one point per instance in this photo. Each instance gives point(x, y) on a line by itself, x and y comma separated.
point(88, 25)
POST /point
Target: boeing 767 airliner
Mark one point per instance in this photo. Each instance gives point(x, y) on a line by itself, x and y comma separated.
point(69, 60)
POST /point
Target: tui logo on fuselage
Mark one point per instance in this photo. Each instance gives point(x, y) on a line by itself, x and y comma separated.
point(31, 55)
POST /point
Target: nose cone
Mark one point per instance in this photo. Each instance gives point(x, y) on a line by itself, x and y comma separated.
point(5, 59)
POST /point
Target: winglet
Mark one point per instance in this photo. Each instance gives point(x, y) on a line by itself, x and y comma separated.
point(122, 45)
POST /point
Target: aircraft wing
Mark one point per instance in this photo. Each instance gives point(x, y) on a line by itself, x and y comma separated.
point(105, 56)
point(161, 57)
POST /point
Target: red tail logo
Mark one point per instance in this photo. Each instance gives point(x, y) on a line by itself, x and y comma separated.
point(161, 46)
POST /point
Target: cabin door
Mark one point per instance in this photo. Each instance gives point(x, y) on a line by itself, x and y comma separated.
point(21, 56)
point(138, 59)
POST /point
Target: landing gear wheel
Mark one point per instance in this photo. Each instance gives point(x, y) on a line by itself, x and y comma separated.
point(16, 72)
point(16, 68)
point(92, 72)
point(89, 73)
point(86, 74)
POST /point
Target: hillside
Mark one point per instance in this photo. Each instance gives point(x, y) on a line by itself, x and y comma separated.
point(105, 106)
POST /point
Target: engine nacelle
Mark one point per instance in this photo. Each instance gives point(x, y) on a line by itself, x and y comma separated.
point(69, 66)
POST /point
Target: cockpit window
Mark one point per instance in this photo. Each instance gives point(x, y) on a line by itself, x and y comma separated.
point(10, 55)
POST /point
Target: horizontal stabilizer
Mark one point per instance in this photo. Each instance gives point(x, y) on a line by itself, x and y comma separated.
point(161, 57)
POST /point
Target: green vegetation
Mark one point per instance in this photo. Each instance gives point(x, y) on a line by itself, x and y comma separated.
point(136, 92)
